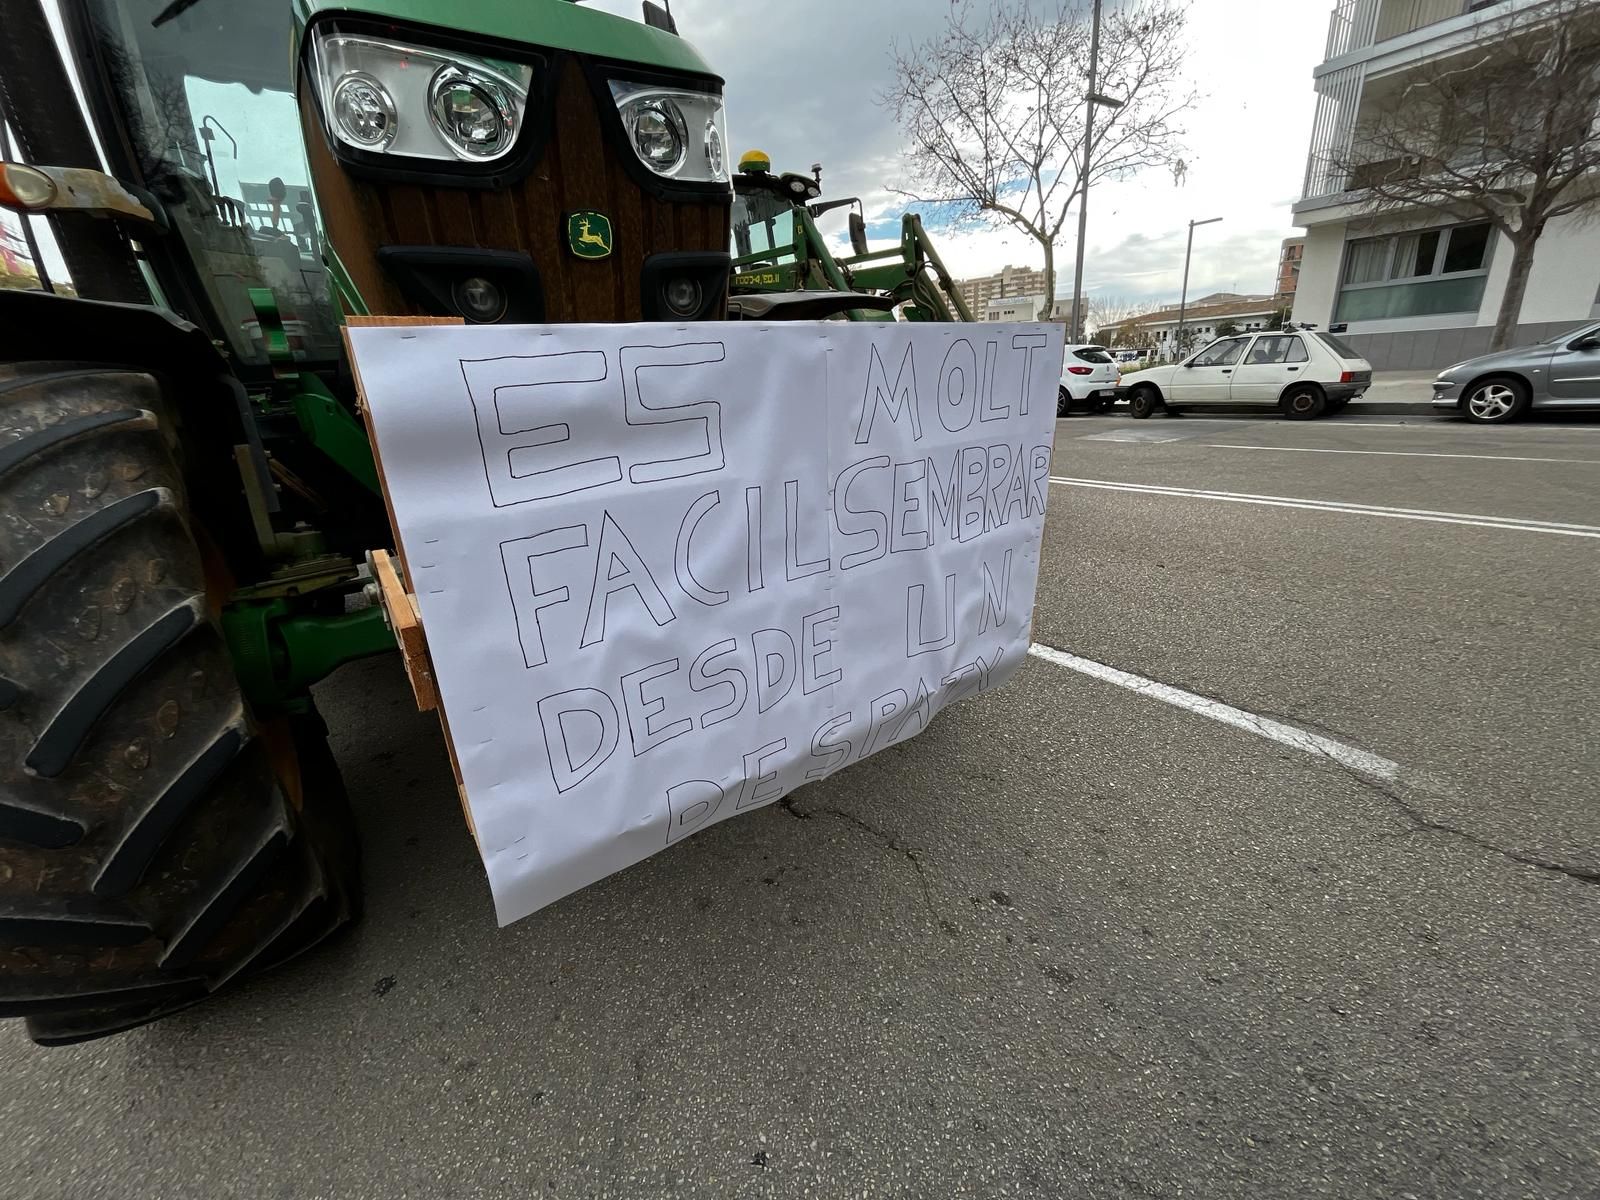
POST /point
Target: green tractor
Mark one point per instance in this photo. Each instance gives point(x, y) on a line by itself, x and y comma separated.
point(187, 495)
point(778, 251)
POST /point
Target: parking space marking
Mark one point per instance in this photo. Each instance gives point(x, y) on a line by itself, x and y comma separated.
point(1590, 462)
point(1345, 508)
point(1136, 435)
point(1362, 761)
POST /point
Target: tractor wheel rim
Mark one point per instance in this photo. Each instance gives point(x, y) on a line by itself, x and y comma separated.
point(1492, 401)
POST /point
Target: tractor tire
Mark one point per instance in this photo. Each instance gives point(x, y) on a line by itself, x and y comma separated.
point(156, 842)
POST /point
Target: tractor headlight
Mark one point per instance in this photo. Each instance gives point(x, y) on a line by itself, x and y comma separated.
point(473, 111)
point(363, 111)
point(659, 133)
point(677, 133)
point(394, 98)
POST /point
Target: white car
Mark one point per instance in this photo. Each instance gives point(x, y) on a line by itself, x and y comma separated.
point(1302, 372)
point(1090, 380)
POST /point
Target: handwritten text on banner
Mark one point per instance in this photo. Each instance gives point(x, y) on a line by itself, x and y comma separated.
point(670, 573)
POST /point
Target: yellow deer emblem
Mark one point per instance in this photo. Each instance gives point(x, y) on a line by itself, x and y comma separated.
point(589, 234)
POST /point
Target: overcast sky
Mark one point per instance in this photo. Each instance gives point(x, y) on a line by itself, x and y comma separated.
point(803, 83)
point(803, 88)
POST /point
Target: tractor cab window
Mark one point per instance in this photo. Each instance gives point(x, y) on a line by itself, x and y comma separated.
point(206, 99)
point(763, 224)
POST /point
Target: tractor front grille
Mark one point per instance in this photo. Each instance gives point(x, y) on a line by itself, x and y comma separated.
point(578, 170)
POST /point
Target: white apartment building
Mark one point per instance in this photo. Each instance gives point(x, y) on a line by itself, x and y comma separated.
point(1421, 291)
point(1008, 281)
point(1013, 308)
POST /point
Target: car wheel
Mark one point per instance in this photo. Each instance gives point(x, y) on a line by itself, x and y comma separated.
point(1496, 401)
point(1304, 402)
point(1143, 402)
point(1063, 402)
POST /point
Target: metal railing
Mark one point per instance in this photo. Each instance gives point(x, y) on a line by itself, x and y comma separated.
point(1351, 26)
point(1338, 98)
point(1357, 24)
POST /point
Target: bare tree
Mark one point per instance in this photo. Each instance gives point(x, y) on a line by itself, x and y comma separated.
point(993, 108)
point(1504, 131)
point(1111, 313)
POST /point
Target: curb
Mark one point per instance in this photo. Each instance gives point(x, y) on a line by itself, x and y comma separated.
point(1397, 408)
point(1356, 408)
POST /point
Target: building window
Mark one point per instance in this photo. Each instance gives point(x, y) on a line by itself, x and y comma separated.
point(1415, 274)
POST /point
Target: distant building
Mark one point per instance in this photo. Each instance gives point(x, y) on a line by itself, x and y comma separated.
point(1294, 249)
point(1203, 319)
point(1015, 308)
point(1017, 291)
point(1225, 298)
point(1006, 283)
point(1419, 289)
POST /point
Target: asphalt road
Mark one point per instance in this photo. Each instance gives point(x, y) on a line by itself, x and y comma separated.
point(1071, 941)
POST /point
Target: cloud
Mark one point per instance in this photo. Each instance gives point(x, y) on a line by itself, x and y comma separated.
point(807, 91)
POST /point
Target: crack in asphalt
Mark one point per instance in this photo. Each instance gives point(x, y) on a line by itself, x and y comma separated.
point(890, 842)
point(1422, 823)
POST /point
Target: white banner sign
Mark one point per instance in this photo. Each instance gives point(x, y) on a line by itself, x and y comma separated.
point(670, 573)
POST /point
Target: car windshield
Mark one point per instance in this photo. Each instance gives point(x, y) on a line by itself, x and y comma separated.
point(1342, 349)
point(206, 96)
point(1094, 354)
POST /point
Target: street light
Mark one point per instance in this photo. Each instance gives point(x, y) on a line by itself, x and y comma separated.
point(1080, 329)
point(1183, 302)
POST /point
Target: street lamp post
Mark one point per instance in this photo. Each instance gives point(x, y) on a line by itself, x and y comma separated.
point(1183, 302)
point(1095, 99)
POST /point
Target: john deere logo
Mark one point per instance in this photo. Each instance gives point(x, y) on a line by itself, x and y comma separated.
point(589, 234)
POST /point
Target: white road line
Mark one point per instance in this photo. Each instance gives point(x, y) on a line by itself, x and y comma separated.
point(1397, 423)
point(1275, 731)
point(1589, 462)
point(1518, 524)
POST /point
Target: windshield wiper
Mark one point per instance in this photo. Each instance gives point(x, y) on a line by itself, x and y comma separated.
point(176, 9)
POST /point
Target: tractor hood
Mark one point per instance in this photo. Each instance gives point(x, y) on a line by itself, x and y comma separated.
point(558, 24)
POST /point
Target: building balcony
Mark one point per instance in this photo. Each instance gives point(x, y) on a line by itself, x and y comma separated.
point(1374, 47)
point(1358, 25)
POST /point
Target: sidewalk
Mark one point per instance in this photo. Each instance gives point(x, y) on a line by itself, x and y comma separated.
point(1397, 392)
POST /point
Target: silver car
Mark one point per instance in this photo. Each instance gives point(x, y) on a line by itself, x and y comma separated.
point(1561, 372)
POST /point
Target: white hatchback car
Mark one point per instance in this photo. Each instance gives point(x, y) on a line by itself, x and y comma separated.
point(1302, 372)
point(1090, 380)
